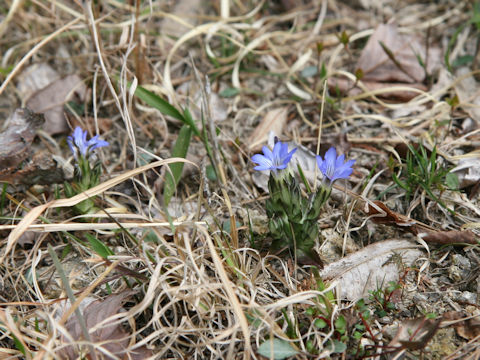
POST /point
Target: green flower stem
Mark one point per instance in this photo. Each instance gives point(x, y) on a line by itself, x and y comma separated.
point(292, 216)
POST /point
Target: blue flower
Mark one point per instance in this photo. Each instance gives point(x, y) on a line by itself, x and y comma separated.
point(277, 159)
point(334, 168)
point(78, 143)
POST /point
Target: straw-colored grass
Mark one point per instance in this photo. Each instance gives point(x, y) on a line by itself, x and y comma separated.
point(195, 286)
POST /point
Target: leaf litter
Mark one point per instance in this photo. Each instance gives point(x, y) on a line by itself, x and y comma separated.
point(206, 287)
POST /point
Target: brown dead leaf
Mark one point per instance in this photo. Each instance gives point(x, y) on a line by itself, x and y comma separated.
point(274, 121)
point(392, 57)
point(468, 171)
point(451, 237)
point(15, 141)
point(41, 169)
point(468, 329)
point(113, 338)
point(44, 91)
point(50, 101)
point(34, 78)
point(414, 334)
point(390, 60)
point(383, 215)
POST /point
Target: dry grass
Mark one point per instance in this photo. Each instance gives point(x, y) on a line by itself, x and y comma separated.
point(196, 287)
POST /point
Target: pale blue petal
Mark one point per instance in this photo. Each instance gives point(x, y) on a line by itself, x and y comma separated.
point(334, 168)
point(267, 152)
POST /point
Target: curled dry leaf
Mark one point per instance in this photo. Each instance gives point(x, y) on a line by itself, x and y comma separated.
point(381, 214)
point(370, 267)
point(414, 334)
point(16, 140)
point(17, 164)
point(468, 329)
point(112, 338)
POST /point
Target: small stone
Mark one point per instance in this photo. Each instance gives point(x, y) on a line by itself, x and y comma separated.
point(467, 296)
point(461, 261)
point(455, 273)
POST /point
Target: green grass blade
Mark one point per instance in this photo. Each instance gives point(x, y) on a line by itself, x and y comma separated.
point(188, 119)
point(304, 179)
point(179, 150)
point(99, 247)
point(158, 103)
point(166, 108)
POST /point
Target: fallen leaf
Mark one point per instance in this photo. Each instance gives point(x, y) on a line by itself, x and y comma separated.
point(274, 121)
point(381, 214)
point(451, 237)
point(390, 60)
point(112, 338)
point(468, 329)
point(468, 171)
point(34, 78)
point(43, 91)
point(17, 164)
point(414, 334)
point(40, 169)
point(370, 267)
point(15, 141)
point(392, 57)
point(467, 90)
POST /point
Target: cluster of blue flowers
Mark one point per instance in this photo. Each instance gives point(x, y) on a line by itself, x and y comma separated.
point(293, 216)
point(87, 168)
point(80, 146)
point(332, 167)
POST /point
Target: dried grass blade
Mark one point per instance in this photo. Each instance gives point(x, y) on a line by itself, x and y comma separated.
point(37, 211)
point(237, 308)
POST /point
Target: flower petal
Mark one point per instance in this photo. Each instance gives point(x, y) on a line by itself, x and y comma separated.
point(333, 167)
point(276, 159)
point(267, 152)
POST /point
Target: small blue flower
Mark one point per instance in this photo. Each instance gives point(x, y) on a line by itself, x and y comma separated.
point(78, 143)
point(277, 159)
point(334, 168)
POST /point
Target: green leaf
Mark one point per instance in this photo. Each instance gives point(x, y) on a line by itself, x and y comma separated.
point(341, 324)
point(463, 60)
point(99, 247)
point(179, 150)
point(158, 103)
point(166, 108)
point(451, 179)
point(188, 119)
point(19, 345)
point(229, 92)
point(281, 349)
point(320, 323)
point(337, 346)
